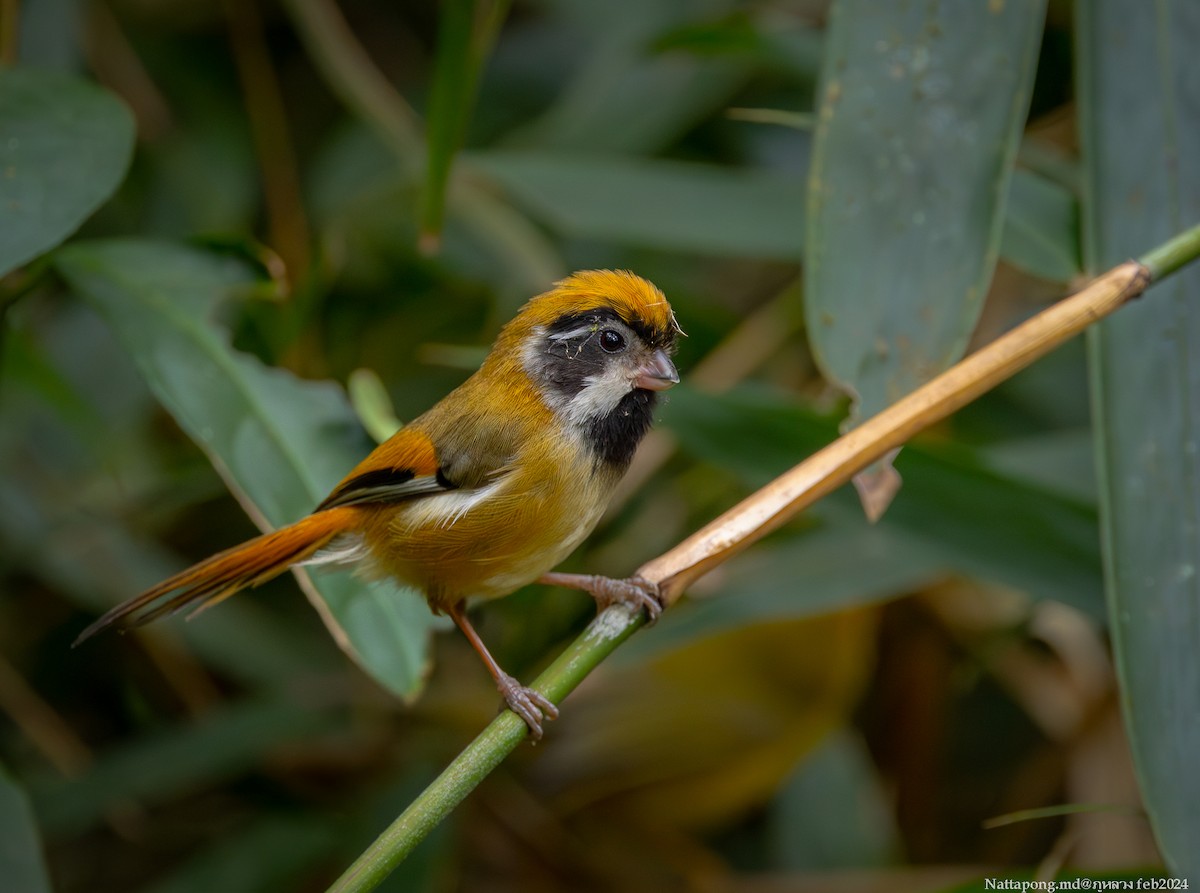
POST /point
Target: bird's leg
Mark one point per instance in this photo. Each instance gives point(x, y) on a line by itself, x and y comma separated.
point(532, 706)
point(634, 592)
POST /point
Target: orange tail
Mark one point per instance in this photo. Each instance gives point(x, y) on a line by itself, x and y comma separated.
point(216, 578)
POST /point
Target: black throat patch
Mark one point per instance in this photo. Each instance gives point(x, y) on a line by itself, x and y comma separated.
point(615, 437)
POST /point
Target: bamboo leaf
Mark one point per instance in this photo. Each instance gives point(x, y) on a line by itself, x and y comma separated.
point(1041, 228)
point(920, 117)
point(751, 213)
point(1137, 90)
point(663, 204)
point(279, 442)
point(64, 148)
point(674, 90)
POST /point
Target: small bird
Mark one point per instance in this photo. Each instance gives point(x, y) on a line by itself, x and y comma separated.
point(493, 486)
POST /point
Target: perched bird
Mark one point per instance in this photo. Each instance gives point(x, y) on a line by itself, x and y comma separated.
point(494, 485)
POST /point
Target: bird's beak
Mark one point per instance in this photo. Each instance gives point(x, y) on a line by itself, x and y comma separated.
point(657, 373)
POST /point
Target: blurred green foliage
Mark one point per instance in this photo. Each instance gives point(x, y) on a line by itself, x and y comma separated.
point(846, 702)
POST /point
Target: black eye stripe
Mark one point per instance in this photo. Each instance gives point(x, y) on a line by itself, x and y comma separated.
point(602, 315)
point(576, 321)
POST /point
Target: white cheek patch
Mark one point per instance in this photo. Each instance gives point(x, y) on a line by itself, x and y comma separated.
point(600, 395)
point(531, 359)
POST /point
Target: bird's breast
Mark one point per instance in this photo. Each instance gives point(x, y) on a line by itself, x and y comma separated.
point(488, 541)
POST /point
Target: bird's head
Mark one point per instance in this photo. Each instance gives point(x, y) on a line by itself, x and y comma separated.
point(598, 349)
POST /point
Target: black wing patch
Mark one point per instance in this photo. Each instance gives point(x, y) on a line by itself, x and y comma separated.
point(385, 485)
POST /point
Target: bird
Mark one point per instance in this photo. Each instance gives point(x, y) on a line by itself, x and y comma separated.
point(493, 486)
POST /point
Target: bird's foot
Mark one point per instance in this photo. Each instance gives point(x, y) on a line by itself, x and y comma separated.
point(529, 704)
point(634, 592)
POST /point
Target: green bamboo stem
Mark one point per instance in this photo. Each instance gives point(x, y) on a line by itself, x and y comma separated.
point(485, 753)
point(762, 512)
point(1172, 254)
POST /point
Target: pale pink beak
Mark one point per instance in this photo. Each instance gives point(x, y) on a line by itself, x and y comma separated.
point(657, 374)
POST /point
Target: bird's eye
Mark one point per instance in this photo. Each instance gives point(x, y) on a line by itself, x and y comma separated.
point(611, 341)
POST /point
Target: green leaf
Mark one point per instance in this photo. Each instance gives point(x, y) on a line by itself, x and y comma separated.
point(280, 443)
point(1058, 461)
point(1041, 228)
point(64, 148)
point(466, 31)
point(373, 405)
point(1001, 528)
point(661, 204)
point(778, 117)
point(1055, 163)
point(975, 520)
point(21, 862)
point(920, 116)
point(772, 40)
point(226, 742)
point(674, 90)
point(1140, 138)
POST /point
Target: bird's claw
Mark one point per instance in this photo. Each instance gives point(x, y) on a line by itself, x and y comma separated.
point(529, 704)
point(634, 592)
point(637, 593)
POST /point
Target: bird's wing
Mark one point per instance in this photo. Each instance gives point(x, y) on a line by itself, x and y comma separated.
point(403, 467)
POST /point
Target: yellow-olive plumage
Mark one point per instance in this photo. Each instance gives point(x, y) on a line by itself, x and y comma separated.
point(494, 485)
